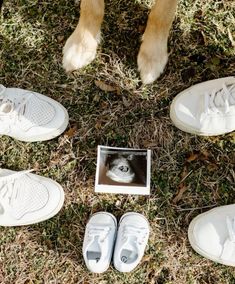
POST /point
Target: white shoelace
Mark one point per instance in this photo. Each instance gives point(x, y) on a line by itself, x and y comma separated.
point(98, 231)
point(139, 233)
point(220, 101)
point(8, 188)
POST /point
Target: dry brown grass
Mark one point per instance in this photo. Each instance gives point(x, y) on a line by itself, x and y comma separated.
point(32, 34)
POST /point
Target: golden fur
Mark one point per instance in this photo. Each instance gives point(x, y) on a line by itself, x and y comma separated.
point(80, 48)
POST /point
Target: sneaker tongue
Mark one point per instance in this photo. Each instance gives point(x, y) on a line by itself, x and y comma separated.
point(130, 244)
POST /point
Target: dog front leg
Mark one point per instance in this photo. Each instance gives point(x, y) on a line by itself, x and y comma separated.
point(153, 56)
point(80, 48)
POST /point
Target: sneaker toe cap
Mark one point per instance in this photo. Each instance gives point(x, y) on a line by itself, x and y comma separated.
point(187, 108)
point(133, 218)
point(103, 218)
point(207, 235)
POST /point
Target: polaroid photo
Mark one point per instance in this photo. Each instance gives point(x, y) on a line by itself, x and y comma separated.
point(123, 170)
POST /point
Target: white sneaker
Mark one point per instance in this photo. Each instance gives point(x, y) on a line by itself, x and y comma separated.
point(98, 241)
point(207, 108)
point(30, 116)
point(212, 234)
point(132, 238)
point(27, 198)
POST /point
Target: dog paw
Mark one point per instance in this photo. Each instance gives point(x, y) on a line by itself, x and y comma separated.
point(79, 51)
point(152, 59)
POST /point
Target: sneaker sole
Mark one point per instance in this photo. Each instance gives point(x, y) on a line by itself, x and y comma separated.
point(44, 218)
point(197, 249)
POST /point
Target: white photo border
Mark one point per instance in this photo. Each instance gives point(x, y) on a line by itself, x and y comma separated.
point(122, 189)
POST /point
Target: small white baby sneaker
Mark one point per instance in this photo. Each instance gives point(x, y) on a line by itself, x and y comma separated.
point(26, 198)
point(212, 234)
point(207, 108)
point(132, 238)
point(30, 116)
point(98, 241)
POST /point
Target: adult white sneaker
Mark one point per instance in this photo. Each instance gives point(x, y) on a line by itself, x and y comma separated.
point(212, 234)
point(30, 116)
point(207, 108)
point(98, 241)
point(132, 238)
point(27, 198)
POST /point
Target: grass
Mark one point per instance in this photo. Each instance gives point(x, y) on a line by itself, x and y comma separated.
point(32, 35)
